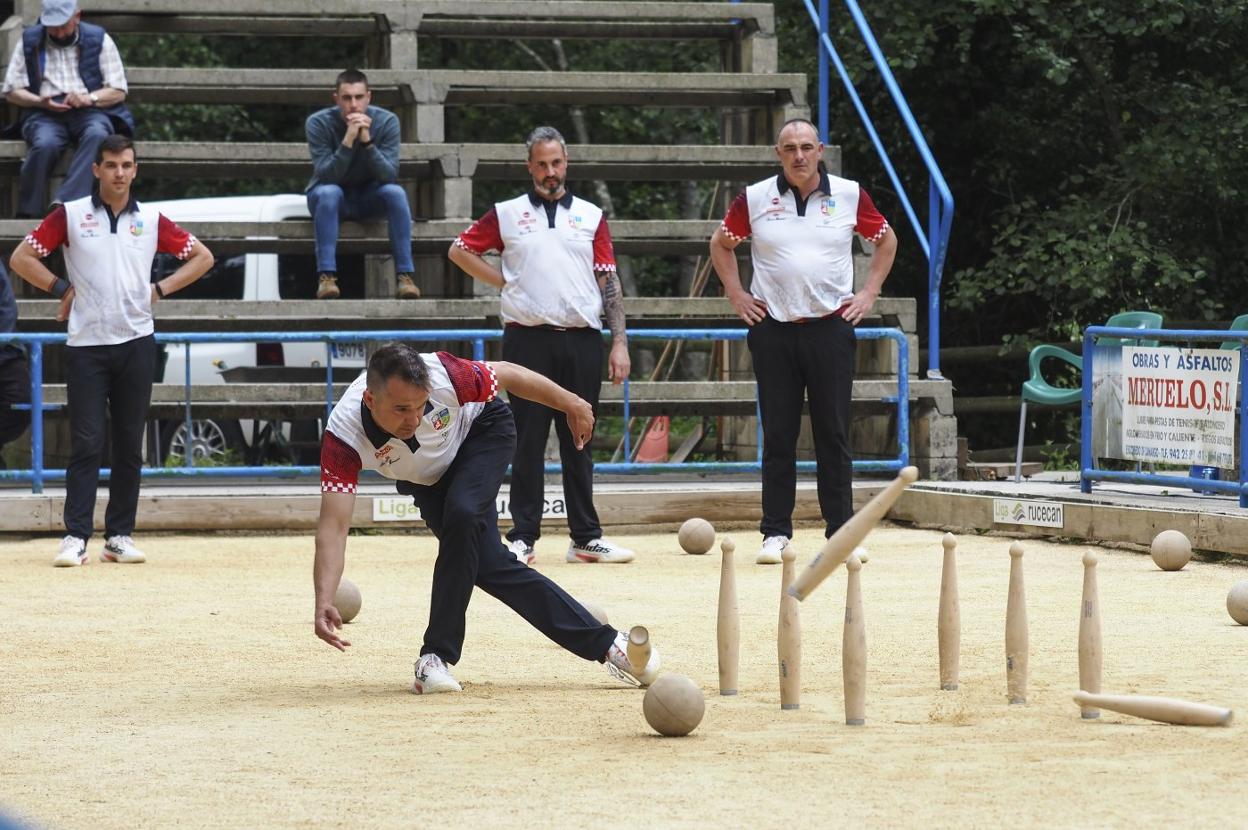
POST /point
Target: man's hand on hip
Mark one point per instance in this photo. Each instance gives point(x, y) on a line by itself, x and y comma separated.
point(859, 306)
point(750, 309)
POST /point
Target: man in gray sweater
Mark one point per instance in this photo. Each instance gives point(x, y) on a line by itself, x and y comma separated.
point(355, 162)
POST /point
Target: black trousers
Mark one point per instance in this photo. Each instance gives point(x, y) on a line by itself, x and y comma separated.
point(14, 388)
point(113, 381)
point(815, 358)
point(461, 510)
point(572, 359)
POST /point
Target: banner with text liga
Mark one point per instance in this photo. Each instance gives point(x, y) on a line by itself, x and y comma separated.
point(1179, 405)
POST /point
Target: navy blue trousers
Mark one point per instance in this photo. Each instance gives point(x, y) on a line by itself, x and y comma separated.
point(462, 511)
point(47, 135)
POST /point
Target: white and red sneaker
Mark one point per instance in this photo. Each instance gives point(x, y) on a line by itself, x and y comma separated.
point(73, 553)
point(121, 549)
point(522, 550)
point(599, 550)
point(619, 667)
point(433, 676)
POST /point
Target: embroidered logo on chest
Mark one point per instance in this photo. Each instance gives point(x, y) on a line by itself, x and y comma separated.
point(136, 226)
point(827, 207)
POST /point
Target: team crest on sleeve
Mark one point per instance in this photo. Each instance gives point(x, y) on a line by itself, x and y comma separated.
point(442, 419)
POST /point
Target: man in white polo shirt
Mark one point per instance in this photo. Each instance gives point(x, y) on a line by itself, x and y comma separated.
point(109, 241)
point(801, 309)
point(557, 280)
point(431, 423)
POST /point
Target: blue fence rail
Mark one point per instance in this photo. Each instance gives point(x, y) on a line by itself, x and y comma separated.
point(1087, 461)
point(935, 239)
point(37, 475)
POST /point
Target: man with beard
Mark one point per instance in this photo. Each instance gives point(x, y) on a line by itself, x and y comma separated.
point(557, 279)
point(68, 80)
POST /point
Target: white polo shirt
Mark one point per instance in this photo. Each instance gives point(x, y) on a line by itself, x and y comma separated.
point(550, 254)
point(802, 250)
point(109, 263)
point(458, 391)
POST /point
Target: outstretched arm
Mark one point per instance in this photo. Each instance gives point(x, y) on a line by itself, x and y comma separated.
point(331, 551)
point(534, 387)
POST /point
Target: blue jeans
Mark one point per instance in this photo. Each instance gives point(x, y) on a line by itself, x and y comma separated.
point(47, 135)
point(331, 203)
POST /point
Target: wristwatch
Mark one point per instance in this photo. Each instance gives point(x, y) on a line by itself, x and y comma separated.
point(95, 99)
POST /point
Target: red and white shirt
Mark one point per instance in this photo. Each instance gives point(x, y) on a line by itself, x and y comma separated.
point(109, 262)
point(549, 259)
point(458, 391)
point(802, 250)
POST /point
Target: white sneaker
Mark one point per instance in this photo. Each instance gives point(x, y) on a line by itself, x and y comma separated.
point(121, 549)
point(522, 550)
point(619, 667)
point(433, 676)
point(773, 547)
point(73, 553)
point(599, 550)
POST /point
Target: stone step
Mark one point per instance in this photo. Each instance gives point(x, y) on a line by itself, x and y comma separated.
point(355, 315)
point(293, 401)
point(419, 162)
point(392, 26)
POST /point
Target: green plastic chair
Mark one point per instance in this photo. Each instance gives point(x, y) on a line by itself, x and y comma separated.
point(1038, 390)
point(1240, 323)
point(1131, 320)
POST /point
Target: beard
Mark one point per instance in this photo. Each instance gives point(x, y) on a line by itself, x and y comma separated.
point(550, 185)
point(63, 42)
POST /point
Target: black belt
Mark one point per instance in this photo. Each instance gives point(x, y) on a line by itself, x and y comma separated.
point(546, 327)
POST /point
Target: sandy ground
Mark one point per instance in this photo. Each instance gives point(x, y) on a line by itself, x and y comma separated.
point(191, 691)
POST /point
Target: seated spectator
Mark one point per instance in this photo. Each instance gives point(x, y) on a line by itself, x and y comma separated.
point(68, 80)
point(355, 162)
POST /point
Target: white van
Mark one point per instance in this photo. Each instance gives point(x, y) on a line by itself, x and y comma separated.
point(249, 277)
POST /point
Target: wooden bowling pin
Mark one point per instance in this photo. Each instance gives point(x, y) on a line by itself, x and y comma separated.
point(854, 648)
point(1016, 646)
point(638, 648)
point(789, 636)
point(949, 622)
point(728, 622)
point(1090, 635)
point(1163, 709)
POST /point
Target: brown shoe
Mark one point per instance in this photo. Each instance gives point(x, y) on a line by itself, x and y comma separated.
point(407, 289)
point(327, 287)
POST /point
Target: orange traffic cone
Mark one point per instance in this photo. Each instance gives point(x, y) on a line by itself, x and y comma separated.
point(653, 448)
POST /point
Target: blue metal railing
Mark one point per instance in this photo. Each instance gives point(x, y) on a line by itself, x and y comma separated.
point(1087, 462)
point(38, 474)
point(935, 240)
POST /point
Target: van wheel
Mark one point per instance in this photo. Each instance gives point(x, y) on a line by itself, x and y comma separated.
point(210, 441)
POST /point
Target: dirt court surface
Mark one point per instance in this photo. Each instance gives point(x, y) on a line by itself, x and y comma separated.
point(190, 691)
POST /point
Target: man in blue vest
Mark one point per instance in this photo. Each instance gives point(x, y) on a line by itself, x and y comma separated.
point(68, 79)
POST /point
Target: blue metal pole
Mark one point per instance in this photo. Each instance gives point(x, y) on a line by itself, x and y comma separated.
point(823, 73)
point(1085, 419)
point(903, 398)
point(36, 417)
point(478, 349)
point(628, 453)
point(933, 281)
point(329, 380)
point(1243, 423)
point(186, 438)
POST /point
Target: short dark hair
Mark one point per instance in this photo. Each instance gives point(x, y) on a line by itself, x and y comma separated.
point(350, 76)
point(115, 143)
point(397, 360)
point(541, 135)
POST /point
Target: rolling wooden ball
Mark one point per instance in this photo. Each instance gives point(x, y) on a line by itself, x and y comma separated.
point(347, 600)
point(673, 705)
point(696, 536)
point(1171, 550)
point(1237, 602)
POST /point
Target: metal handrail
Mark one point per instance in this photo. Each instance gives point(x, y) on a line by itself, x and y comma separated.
point(935, 240)
point(38, 474)
point(1087, 462)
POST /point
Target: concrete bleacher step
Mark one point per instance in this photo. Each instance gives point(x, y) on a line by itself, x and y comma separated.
point(613, 162)
point(293, 401)
point(658, 237)
point(392, 26)
point(420, 96)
